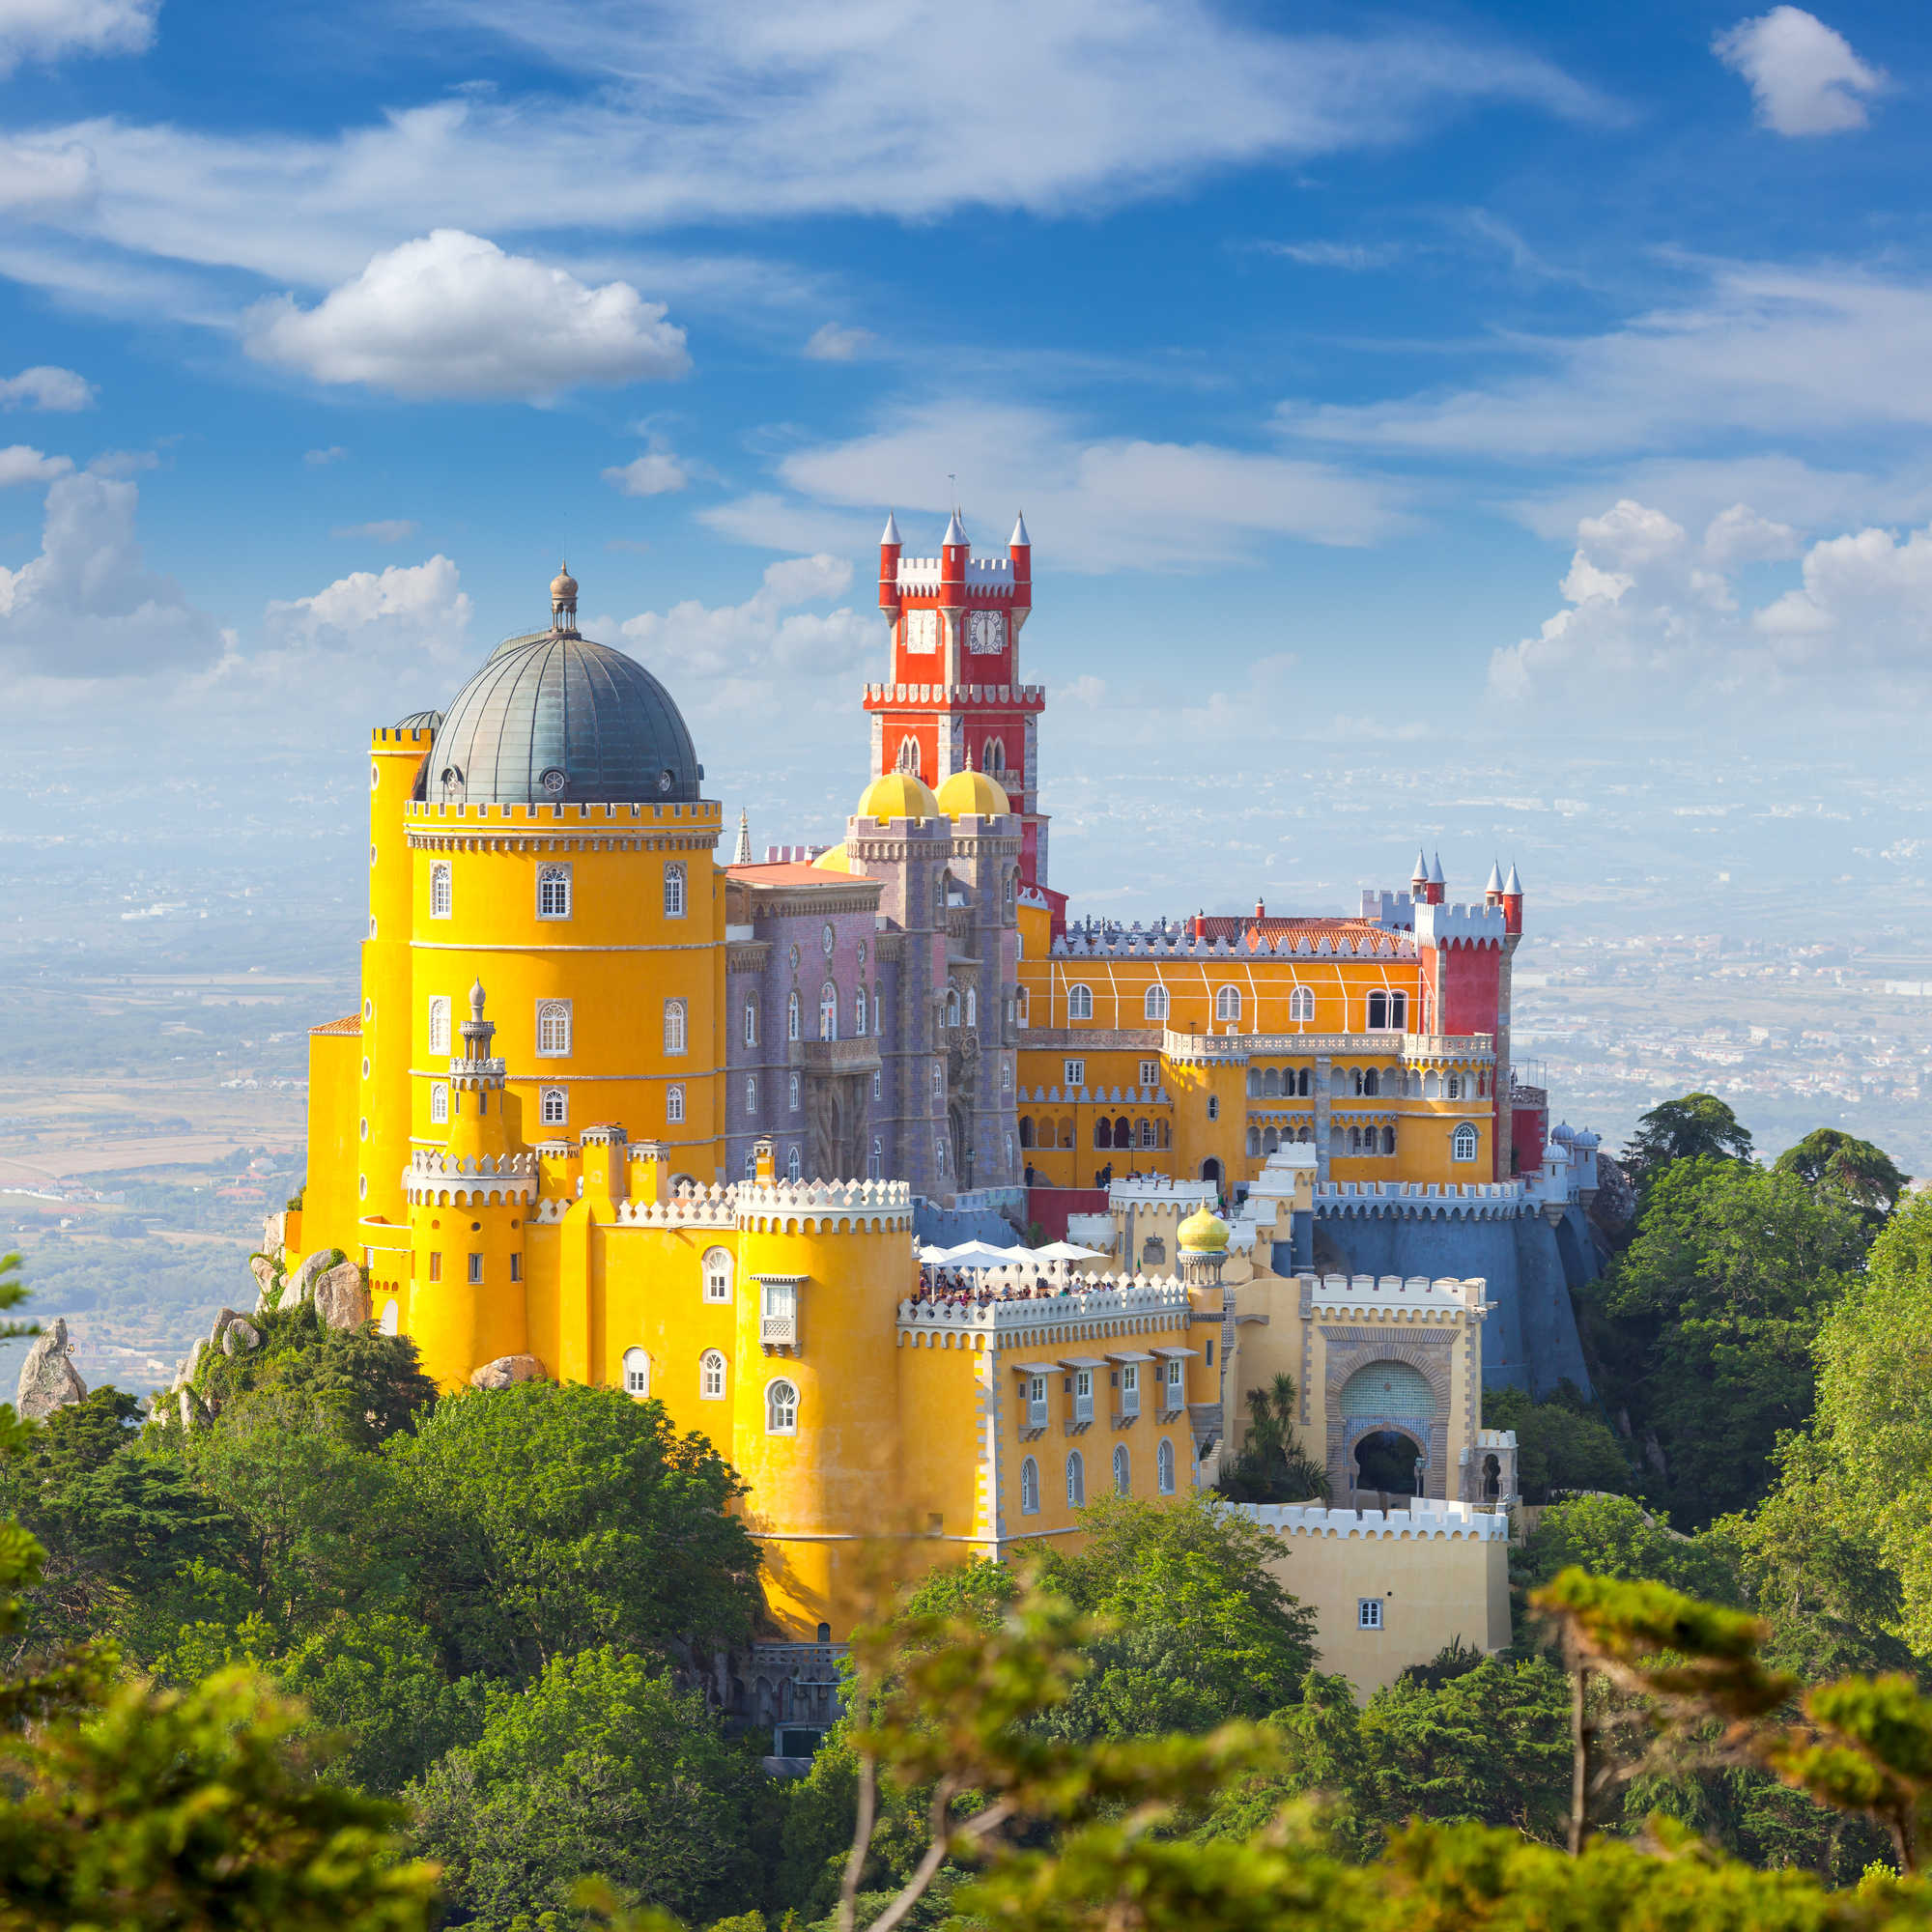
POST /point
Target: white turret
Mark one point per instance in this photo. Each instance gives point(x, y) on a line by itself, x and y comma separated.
point(1019, 539)
point(891, 535)
point(955, 532)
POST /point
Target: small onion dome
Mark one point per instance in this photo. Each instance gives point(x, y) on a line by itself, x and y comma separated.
point(1203, 1230)
point(973, 791)
point(563, 588)
point(898, 795)
point(833, 859)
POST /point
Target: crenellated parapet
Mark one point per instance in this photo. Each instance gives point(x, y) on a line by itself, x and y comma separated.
point(1098, 1306)
point(1394, 1297)
point(1428, 1519)
point(434, 1178)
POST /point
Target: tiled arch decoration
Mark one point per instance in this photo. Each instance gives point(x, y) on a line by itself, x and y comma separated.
point(1428, 1353)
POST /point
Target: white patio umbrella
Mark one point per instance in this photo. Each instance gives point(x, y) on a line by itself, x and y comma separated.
point(931, 1255)
point(979, 1255)
point(1066, 1251)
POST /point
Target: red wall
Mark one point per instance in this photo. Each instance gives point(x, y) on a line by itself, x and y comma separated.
point(1051, 1205)
point(1470, 986)
point(1529, 1134)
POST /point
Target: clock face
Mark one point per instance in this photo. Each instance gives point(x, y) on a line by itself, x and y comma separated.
point(986, 632)
point(922, 629)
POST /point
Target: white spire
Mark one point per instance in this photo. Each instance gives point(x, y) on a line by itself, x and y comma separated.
point(1435, 870)
point(891, 535)
point(1420, 876)
point(954, 532)
point(743, 855)
point(1495, 884)
point(1019, 539)
point(1513, 886)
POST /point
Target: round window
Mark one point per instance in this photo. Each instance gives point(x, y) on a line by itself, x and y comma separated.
point(794, 959)
point(666, 779)
point(831, 939)
point(552, 780)
point(862, 952)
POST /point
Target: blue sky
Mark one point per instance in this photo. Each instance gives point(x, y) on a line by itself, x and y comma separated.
point(1386, 383)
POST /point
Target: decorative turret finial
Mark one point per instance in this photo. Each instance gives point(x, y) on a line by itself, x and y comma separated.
point(956, 531)
point(1019, 540)
point(743, 855)
point(477, 1033)
point(563, 601)
point(891, 535)
point(476, 997)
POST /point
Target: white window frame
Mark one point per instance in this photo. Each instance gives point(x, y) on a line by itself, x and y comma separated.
point(875, 1161)
point(1073, 1074)
point(797, 1091)
point(1083, 1395)
point(794, 1163)
point(674, 895)
point(1150, 1076)
point(859, 1011)
point(712, 1370)
point(1005, 1076)
point(1155, 1006)
point(1076, 1479)
point(676, 1027)
point(1037, 1401)
point(474, 1271)
point(781, 1406)
point(442, 891)
point(675, 1106)
point(1080, 1002)
point(751, 1092)
point(1369, 1613)
point(439, 1024)
point(554, 1107)
point(438, 1103)
point(1174, 1381)
point(637, 1374)
point(751, 1022)
point(553, 891)
point(1163, 1468)
point(1130, 1388)
point(828, 1011)
point(1228, 1003)
point(554, 1029)
point(1302, 1006)
point(1030, 1487)
point(794, 1015)
point(1123, 1470)
point(718, 1272)
point(1466, 1144)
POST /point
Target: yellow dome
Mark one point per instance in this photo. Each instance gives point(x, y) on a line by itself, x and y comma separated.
point(833, 859)
point(1203, 1230)
point(973, 791)
point(898, 795)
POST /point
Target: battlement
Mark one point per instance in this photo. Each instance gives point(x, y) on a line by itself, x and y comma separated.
point(1094, 1304)
point(872, 1206)
point(1007, 696)
point(435, 1165)
point(985, 577)
point(1425, 1518)
point(434, 1178)
point(1473, 1048)
point(1176, 940)
point(1124, 1096)
point(792, 855)
point(1416, 1298)
point(698, 811)
point(402, 738)
point(1460, 926)
point(1158, 1190)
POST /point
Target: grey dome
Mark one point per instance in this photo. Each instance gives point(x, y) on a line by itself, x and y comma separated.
point(419, 721)
point(557, 719)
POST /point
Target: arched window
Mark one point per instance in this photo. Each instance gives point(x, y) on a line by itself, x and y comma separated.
point(781, 1408)
point(554, 1107)
point(1080, 1003)
point(794, 1093)
point(794, 1016)
point(1012, 887)
point(1227, 1004)
point(1163, 1468)
point(993, 757)
point(711, 1377)
point(828, 1011)
point(751, 1092)
point(675, 891)
point(718, 1274)
point(971, 1006)
point(875, 1161)
point(1067, 1131)
point(1372, 1082)
point(939, 1155)
point(939, 898)
point(673, 1026)
point(1124, 1474)
point(1123, 1135)
point(751, 1022)
point(1354, 1140)
point(438, 1103)
point(554, 1029)
point(636, 1373)
point(553, 891)
point(1271, 1142)
point(1302, 1007)
point(675, 1106)
point(1254, 1142)
point(1156, 1004)
point(878, 1007)
point(1022, 1003)
point(1029, 1488)
point(440, 893)
point(1453, 1086)
point(794, 1166)
point(908, 753)
point(1005, 1076)
point(1103, 1131)
point(953, 1006)
point(859, 1011)
point(1076, 1480)
point(392, 1317)
point(1388, 1140)
point(1464, 1145)
point(438, 1025)
point(1026, 1130)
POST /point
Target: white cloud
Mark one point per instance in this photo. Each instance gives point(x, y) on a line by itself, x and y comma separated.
point(656, 473)
point(85, 606)
point(45, 30)
point(1103, 503)
point(321, 459)
point(1805, 78)
point(419, 607)
point(1355, 256)
point(453, 315)
point(768, 521)
point(39, 176)
point(830, 343)
point(21, 465)
point(46, 387)
point(385, 530)
point(1652, 620)
point(1762, 350)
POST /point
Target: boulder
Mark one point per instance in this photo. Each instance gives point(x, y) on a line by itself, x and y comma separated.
point(49, 1378)
point(341, 1300)
point(264, 1271)
point(311, 1272)
point(237, 1333)
point(507, 1370)
point(274, 1234)
point(185, 1398)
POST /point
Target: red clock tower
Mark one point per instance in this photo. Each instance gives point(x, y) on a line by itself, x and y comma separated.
point(954, 699)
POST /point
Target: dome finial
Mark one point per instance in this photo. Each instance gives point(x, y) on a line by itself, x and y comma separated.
point(563, 601)
point(477, 999)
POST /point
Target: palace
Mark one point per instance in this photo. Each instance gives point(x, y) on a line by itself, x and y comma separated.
point(612, 1111)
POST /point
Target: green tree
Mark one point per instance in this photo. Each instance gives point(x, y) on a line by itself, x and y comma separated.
point(1716, 1304)
point(1561, 1446)
point(1860, 1171)
point(601, 1767)
point(1614, 1535)
point(13, 1291)
point(1697, 1127)
point(546, 1518)
point(1272, 1466)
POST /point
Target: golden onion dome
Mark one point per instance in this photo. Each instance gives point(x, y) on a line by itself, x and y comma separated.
point(833, 859)
point(973, 791)
point(898, 795)
point(1203, 1230)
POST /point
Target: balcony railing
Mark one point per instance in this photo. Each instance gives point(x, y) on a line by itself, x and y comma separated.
point(834, 1056)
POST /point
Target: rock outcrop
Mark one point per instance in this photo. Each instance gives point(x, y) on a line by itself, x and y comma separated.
point(311, 1272)
point(341, 1300)
point(49, 1378)
point(507, 1370)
